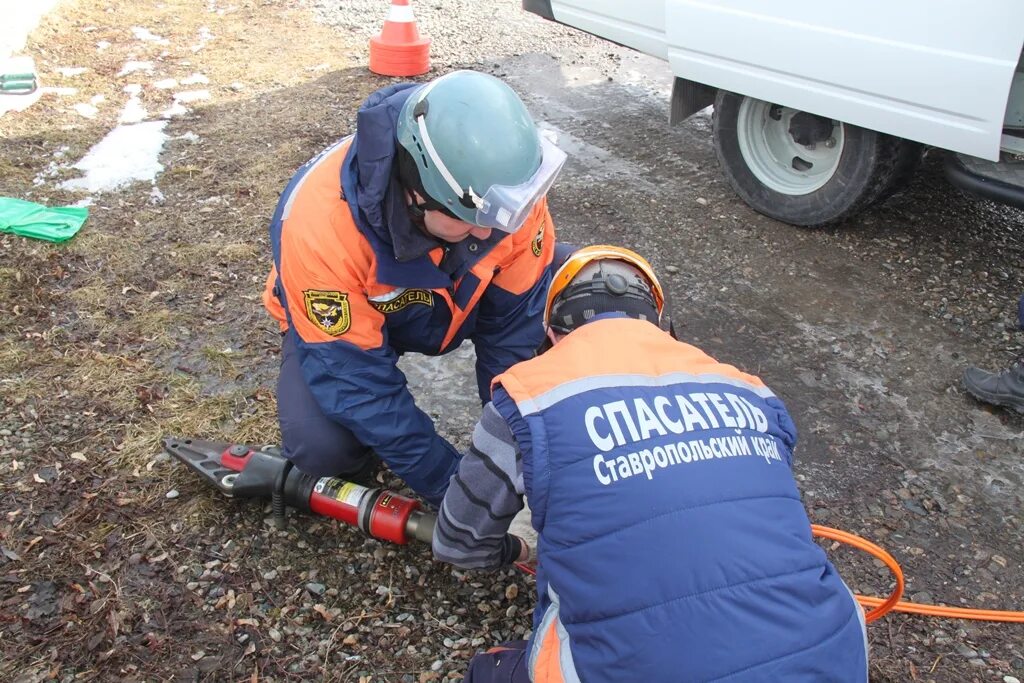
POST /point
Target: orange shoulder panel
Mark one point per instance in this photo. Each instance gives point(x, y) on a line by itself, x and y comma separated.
point(626, 347)
point(532, 249)
point(326, 264)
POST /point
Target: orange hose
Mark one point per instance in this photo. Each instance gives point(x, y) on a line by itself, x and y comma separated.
point(880, 607)
point(870, 548)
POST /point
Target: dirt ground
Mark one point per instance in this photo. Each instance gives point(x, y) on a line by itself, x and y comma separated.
point(116, 564)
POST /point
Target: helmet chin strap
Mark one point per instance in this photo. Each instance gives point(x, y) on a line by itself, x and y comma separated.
point(470, 199)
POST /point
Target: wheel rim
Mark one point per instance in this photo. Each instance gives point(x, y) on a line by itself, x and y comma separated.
point(775, 158)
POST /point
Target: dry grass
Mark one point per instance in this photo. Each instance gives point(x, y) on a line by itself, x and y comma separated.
point(116, 338)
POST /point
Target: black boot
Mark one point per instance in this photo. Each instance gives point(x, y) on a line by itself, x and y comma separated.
point(1002, 389)
point(366, 473)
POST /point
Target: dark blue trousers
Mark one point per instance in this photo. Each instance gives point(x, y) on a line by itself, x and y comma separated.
point(316, 444)
point(506, 663)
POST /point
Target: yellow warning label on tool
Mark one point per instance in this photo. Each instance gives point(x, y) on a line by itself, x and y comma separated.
point(351, 494)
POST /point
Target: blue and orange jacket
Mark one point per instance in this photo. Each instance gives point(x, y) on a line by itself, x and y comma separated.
point(672, 543)
point(359, 285)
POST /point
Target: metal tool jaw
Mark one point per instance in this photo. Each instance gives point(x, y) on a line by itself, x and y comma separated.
point(236, 470)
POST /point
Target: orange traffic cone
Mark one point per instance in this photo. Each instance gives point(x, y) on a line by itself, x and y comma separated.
point(399, 50)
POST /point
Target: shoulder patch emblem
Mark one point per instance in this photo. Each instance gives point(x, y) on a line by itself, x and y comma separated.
point(328, 310)
point(406, 298)
point(538, 242)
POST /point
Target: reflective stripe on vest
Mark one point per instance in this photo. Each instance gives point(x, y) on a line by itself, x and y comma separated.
point(551, 655)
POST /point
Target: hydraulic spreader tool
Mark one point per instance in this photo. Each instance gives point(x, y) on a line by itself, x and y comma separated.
point(241, 471)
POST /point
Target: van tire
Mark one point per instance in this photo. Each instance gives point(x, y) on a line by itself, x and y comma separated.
point(869, 166)
point(909, 156)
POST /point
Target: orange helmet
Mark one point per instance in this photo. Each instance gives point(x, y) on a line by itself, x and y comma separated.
point(633, 289)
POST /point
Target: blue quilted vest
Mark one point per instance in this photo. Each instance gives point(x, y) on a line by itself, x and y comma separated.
point(673, 545)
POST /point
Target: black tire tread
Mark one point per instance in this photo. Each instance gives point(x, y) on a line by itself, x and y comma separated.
point(892, 162)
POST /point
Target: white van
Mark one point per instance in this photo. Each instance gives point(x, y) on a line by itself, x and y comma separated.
point(822, 108)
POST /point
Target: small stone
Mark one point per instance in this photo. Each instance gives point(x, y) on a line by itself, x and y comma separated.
point(436, 666)
point(965, 651)
point(351, 639)
point(271, 575)
point(5, 432)
point(1010, 679)
point(316, 588)
point(672, 270)
point(511, 591)
point(977, 661)
point(196, 656)
point(702, 201)
point(173, 493)
point(275, 635)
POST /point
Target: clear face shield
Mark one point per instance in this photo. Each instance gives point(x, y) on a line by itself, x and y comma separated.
point(502, 207)
point(505, 207)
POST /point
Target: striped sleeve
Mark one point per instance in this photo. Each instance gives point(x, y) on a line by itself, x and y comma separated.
point(484, 496)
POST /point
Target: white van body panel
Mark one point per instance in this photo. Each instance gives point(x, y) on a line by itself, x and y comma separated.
point(934, 71)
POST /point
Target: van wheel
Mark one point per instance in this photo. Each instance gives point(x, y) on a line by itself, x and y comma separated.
point(798, 167)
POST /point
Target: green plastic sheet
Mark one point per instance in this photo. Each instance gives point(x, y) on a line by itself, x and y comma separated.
point(28, 219)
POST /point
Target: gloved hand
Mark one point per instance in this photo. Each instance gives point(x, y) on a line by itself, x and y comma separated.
point(522, 526)
point(527, 552)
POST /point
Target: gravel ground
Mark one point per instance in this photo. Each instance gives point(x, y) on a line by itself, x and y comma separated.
point(463, 33)
point(118, 565)
point(863, 329)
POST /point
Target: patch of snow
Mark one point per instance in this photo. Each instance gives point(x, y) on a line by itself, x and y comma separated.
point(49, 90)
point(133, 111)
point(195, 79)
point(205, 36)
point(176, 109)
point(189, 137)
point(133, 66)
point(51, 171)
point(238, 86)
point(127, 154)
point(53, 168)
point(87, 110)
point(71, 71)
point(102, 45)
point(166, 84)
point(19, 20)
point(19, 102)
point(132, 89)
point(191, 96)
point(156, 196)
point(97, 99)
point(211, 7)
point(147, 36)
